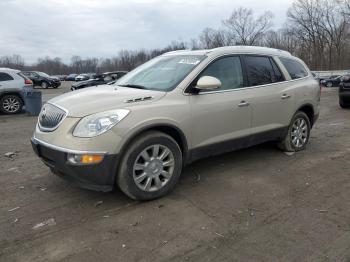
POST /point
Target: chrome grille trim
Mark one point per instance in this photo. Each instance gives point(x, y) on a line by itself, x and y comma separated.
point(54, 116)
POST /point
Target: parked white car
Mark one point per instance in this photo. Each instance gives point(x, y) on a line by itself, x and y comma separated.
point(12, 83)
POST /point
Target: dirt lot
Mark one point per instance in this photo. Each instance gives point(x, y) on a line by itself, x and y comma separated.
point(256, 204)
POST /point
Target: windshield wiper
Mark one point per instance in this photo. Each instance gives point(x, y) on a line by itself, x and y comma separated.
point(134, 86)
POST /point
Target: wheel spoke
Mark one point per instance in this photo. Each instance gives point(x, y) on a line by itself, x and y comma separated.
point(155, 151)
point(158, 183)
point(139, 167)
point(145, 155)
point(148, 183)
point(301, 142)
point(141, 178)
point(168, 163)
point(164, 154)
point(165, 174)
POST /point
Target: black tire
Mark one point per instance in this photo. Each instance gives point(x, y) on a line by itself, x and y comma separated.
point(44, 85)
point(329, 84)
point(342, 103)
point(125, 176)
point(15, 100)
point(286, 144)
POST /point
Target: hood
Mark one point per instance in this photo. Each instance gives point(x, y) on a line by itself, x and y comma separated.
point(50, 78)
point(96, 99)
point(83, 82)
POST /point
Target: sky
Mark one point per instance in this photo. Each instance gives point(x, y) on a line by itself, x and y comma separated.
point(101, 28)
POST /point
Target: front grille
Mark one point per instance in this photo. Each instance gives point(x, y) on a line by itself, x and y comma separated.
point(50, 117)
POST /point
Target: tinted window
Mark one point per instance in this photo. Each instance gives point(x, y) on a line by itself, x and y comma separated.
point(262, 70)
point(228, 70)
point(5, 77)
point(22, 75)
point(278, 77)
point(294, 68)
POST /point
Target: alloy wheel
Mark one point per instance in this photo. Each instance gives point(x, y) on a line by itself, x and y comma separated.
point(11, 104)
point(153, 168)
point(299, 132)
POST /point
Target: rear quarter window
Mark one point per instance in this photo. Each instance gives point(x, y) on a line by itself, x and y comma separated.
point(295, 69)
point(5, 77)
point(23, 76)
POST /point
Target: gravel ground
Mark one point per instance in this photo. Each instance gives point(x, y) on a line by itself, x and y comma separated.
point(256, 204)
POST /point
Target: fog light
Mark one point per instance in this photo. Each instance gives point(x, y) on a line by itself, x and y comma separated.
point(84, 158)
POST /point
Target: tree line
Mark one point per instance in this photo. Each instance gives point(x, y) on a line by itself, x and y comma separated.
point(317, 31)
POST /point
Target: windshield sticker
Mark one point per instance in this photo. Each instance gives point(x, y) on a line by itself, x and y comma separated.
point(189, 61)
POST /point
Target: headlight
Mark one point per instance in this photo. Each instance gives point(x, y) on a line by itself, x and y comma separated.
point(97, 124)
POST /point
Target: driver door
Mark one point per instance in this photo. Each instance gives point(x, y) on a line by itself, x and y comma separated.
point(222, 115)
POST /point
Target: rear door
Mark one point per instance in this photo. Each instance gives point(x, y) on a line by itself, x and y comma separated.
point(7, 82)
point(273, 100)
point(222, 114)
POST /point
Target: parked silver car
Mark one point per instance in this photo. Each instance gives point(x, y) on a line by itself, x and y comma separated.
point(12, 83)
point(179, 107)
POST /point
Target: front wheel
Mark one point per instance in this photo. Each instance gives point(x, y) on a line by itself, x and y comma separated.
point(329, 84)
point(298, 133)
point(44, 85)
point(151, 166)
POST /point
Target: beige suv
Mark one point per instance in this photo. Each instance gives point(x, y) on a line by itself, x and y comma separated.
point(181, 106)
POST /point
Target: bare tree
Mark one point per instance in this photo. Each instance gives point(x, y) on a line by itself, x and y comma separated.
point(14, 61)
point(245, 28)
point(211, 38)
point(322, 31)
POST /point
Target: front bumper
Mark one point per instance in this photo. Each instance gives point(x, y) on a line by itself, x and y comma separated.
point(97, 177)
point(55, 84)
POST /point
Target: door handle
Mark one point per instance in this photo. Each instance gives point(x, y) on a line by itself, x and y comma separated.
point(243, 103)
point(285, 96)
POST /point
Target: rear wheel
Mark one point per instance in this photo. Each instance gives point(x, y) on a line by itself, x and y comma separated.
point(11, 104)
point(298, 133)
point(151, 166)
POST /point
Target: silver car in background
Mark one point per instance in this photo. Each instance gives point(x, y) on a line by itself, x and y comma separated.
point(12, 84)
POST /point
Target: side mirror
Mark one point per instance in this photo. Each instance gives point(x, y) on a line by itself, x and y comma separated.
point(208, 83)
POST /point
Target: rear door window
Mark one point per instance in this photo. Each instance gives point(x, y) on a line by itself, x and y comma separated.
point(5, 77)
point(294, 68)
point(262, 70)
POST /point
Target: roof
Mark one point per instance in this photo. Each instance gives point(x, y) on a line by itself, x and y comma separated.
point(9, 69)
point(233, 49)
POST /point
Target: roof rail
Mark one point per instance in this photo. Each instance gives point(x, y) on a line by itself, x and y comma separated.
point(176, 51)
point(254, 48)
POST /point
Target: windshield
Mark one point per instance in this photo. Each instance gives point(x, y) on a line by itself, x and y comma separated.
point(43, 74)
point(162, 73)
